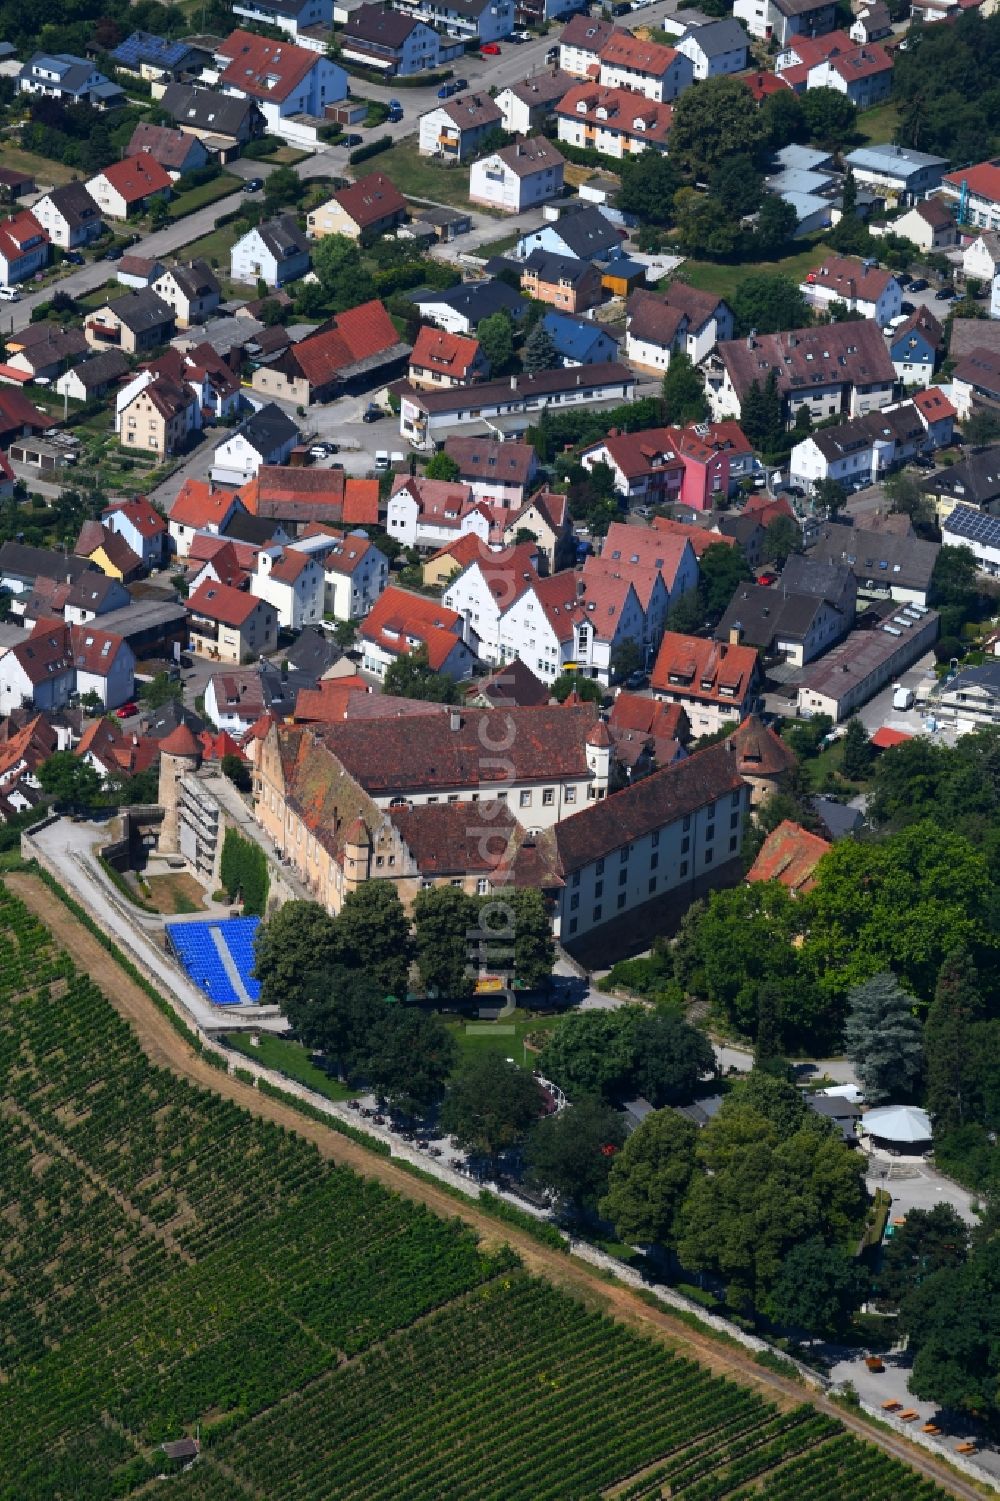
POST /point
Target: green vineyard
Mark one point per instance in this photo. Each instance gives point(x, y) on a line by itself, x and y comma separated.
point(170, 1264)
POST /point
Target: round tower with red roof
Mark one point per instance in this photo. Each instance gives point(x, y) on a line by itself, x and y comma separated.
point(180, 754)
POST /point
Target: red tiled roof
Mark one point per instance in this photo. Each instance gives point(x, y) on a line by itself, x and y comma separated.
point(180, 742)
point(620, 108)
point(135, 177)
point(198, 504)
point(16, 412)
point(862, 62)
point(703, 668)
point(507, 574)
point(761, 85)
point(933, 404)
point(851, 278)
point(397, 616)
point(765, 509)
point(17, 232)
point(759, 751)
point(220, 602)
point(261, 68)
point(450, 354)
point(789, 854)
point(444, 841)
point(700, 538)
point(626, 51)
point(144, 517)
point(356, 335)
point(633, 546)
point(371, 199)
point(649, 716)
point(639, 454)
point(216, 744)
point(329, 701)
point(983, 179)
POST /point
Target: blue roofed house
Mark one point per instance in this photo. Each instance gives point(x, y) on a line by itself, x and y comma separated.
point(63, 75)
point(583, 234)
point(578, 341)
point(156, 58)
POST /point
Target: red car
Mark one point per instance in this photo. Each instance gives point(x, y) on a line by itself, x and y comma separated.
point(126, 711)
point(767, 578)
point(490, 49)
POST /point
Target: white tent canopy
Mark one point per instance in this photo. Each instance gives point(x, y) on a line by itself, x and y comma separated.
point(905, 1123)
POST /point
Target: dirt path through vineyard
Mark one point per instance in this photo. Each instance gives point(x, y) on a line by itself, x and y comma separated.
point(165, 1047)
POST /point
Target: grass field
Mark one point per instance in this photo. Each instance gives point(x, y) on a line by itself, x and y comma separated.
point(293, 1059)
point(176, 1265)
point(206, 192)
point(506, 1036)
point(500, 246)
point(878, 125)
point(419, 176)
point(215, 246)
point(723, 279)
point(46, 172)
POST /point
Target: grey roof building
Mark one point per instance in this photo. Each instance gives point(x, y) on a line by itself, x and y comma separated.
point(973, 482)
point(885, 565)
point(204, 112)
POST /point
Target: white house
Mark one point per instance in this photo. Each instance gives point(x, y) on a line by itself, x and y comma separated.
point(287, 15)
point(24, 248)
point(283, 79)
point(425, 416)
point(862, 286)
point(978, 190)
point(293, 582)
point(784, 19)
point(469, 20)
point(615, 122)
point(427, 514)
point(486, 589)
point(267, 437)
point(58, 660)
point(74, 80)
point(526, 106)
point(129, 186)
point(69, 215)
point(864, 75)
point(401, 623)
point(397, 45)
point(275, 252)
point(572, 618)
point(141, 526)
point(454, 129)
point(192, 290)
point(657, 72)
point(716, 48)
point(980, 258)
point(580, 45)
point(355, 573)
point(896, 172)
point(518, 176)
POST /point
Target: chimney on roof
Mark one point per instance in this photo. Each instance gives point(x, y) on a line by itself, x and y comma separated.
point(581, 587)
point(735, 633)
point(454, 720)
point(513, 383)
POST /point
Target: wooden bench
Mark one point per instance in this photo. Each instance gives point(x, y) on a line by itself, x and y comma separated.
point(930, 1428)
point(965, 1449)
point(892, 1405)
point(909, 1415)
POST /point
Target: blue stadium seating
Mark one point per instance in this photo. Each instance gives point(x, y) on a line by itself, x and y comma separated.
point(195, 947)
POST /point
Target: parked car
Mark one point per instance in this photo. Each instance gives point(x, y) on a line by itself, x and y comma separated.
point(253, 184)
point(907, 307)
point(9, 294)
point(447, 89)
point(944, 294)
point(459, 85)
point(636, 680)
point(521, 36)
point(490, 49)
point(127, 710)
point(114, 254)
point(372, 414)
point(552, 56)
point(902, 278)
point(923, 461)
point(920, 285)
point(767, 579)
point(354, 140)
point(74, 257)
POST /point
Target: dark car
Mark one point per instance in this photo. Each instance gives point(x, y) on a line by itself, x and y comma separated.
point(902, 279)
point(922, 461)
point(552, 56)
point(945, 294)
point(460, 84)
point(907, 307)
point(636, 680)
point(354, 140)
point(372, 414)
point(114, 254)
point(253, 185)
point(920, 285)
point(74, 257)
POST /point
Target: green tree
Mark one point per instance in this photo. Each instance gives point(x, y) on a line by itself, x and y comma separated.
point(445, 917)
point(373, 935)
point(829, 117)
point(781, 537)
point(829, 494)
point(442, 466)
point(928, 1241)
point(762, 413)
point(626, 658)
point(953, 1323)
point(525, 924)
point(981, 428)
point(671, 1057)
point(684, 398)
point(722, 569)
point(298, 940)
point(737, 185)
point(570, 1153)
point(687, 614)
point(767, 1049)
point(592, 1052)
point(818, 1289)
point(570, 682)
point(882, 1037)
point(717, 120)
point(236, 769)
point(412, 676)
point(650, 1178)
point(412, 1056)
point(648, 184)
point(908, 497)
point(496, 339)
point(703, 226)
point(282, 187)
point(539, 352)
point(490, 1104)
point(343, 279)
point(950, 1042)
point(760, 1193)
point(774, 227)
point(160, 690)
point(783, 119)
point(767, 302)
point(72, 781)
point(858, 752)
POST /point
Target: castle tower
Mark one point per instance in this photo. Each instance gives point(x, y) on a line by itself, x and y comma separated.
point(180, 754)
point(357, 854)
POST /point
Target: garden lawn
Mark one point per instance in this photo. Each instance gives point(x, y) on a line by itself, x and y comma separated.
point(817, 769)
point(206, 192)
point(878, 125)
point(293, 1059)
point(499, 247)
point(418, 176)
point(215, 246)
point(723, 279)
point(43, 169)
point(506, 1036)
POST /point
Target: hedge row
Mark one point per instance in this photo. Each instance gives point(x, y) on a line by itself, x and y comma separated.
point(371, 148)
point(243, 872)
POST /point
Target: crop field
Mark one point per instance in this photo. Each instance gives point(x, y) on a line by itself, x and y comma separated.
point(171, 1264)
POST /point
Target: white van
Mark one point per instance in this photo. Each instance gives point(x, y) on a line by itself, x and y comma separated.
point(9, 294)
point(381, 459)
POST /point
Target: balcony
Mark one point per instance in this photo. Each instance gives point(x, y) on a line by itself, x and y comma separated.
point(107, 333)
